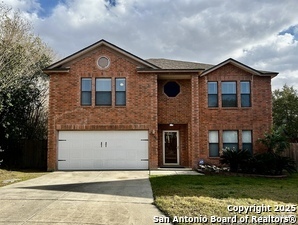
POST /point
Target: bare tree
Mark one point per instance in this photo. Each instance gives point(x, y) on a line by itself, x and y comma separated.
point(23, 85)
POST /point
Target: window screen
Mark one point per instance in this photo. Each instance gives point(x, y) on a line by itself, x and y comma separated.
point(245, 94)
point(103, 94)
point(229, 94)
point(247, 140)
point(230, 139)
point(213, 144)
point(212, 94)
point(86, 87)
point(120, 91)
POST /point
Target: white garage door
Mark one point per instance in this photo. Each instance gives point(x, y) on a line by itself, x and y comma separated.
point(95, 150)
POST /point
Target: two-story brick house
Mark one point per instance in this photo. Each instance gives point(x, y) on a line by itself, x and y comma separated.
point(109, 109)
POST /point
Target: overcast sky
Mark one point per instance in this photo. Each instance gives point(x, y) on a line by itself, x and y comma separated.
point(260, 33)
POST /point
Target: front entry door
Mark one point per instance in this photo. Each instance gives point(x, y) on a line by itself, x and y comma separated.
point(171, 147)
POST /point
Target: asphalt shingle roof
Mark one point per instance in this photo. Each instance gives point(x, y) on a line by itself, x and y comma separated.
point(176, 64)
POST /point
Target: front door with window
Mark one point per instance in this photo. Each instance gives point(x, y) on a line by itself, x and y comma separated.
point(171, 147)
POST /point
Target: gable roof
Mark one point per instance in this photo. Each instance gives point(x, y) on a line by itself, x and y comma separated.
point(241, 66)
point(57, 66)
point(155, 64)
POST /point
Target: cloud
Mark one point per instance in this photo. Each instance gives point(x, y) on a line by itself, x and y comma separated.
point(288, 77)
point(262, 34)
point(23, 5)
point(279, 53)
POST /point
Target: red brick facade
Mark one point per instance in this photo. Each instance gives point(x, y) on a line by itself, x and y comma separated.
point(256, 118)
point(149, 108)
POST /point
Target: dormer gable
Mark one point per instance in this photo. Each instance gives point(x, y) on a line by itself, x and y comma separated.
point(62, 65)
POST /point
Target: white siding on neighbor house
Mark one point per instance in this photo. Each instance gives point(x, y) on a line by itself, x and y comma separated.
point(107, 150)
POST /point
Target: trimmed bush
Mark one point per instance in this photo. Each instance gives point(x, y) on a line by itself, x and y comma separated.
point(268, 163)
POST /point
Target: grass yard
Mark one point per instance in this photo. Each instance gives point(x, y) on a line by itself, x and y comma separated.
point(206, 196)
point(8, 177)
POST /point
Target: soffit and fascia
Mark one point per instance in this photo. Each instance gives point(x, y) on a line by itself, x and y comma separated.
point(165, 68)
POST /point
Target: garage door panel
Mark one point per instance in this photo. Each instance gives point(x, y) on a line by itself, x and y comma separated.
point(63, 165)
point(98, 163)
point(87, 150)
point(72, 165)
point(86, 164)
point(97, 154)
point(63, 153)
point(76, 153)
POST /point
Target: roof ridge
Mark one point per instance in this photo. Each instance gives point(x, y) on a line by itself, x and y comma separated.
point(178, 60)
point(178, 64)
point(83, 51)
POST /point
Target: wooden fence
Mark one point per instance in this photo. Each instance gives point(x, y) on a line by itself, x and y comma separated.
point(25, 154)
point(292, 152)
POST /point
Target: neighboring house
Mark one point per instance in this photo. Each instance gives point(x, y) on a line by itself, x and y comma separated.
point(110, 109)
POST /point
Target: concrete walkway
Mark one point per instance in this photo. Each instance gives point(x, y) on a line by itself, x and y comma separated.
point(91, 197)
point(164, 172)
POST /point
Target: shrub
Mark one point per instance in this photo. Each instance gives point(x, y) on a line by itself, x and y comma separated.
point(275, 141)
point(268, 163)
point(235, 159)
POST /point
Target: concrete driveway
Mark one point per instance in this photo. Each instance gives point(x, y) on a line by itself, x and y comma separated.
point(91, 197)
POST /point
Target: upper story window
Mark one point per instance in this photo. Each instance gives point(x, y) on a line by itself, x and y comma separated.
point(103, 94)
point(245, 94)
point(229, 94)
point(86, 91)
point(212, 94)
point(171, 89)
point(106, 89)
point(120, 92)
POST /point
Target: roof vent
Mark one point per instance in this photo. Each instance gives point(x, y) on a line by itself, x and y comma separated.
point(103, 62)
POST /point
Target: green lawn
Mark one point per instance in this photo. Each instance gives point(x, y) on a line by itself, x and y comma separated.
point(206, 196)
point(9, 176)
